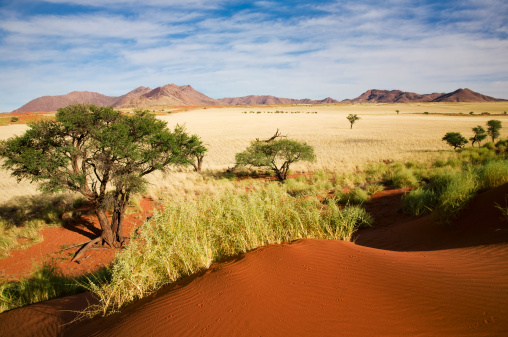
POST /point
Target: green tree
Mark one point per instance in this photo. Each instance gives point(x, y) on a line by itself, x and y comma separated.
point(455, 139)
point(493, 127)
point(99, 153)
point(276, 155)
point(198, 151)
point(352, 119)
point(479, 135)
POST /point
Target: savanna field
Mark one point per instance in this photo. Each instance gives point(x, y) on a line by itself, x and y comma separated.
point(388, 220)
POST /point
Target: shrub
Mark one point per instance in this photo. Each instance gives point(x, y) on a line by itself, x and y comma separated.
point(14, 119)
point(455, 139)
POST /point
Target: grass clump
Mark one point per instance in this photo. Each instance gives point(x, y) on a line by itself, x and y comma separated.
point(193, 232)
point(494, 174)
point(356, 196)
point(47, 282)
point(447, 193)
point(401, 178)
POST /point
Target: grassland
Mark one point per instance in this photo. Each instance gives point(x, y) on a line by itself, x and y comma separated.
point(381, 134)
point(207, 218)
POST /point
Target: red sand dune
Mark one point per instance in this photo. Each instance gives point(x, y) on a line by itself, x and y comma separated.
point(454, 284)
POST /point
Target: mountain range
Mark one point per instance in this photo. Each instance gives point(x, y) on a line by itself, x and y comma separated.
point(174, 95)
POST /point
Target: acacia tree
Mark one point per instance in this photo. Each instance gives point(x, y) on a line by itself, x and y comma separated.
point(276, 155)
point(479, 135)
point(493, 127)
point(352, 119)
point(455, 139)
point(99, 153)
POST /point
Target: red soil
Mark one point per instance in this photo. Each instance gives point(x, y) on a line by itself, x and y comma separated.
point(21, 263)
point(406, 276)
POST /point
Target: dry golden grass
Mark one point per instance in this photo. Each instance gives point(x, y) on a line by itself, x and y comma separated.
point(381, 134)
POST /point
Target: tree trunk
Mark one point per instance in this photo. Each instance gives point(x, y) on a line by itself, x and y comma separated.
point(107, 232)
point(121, 201)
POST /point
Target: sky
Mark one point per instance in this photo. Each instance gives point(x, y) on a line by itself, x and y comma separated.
point(231, 48)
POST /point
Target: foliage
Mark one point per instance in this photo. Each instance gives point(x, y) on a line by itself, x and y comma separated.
point(455, 139)
point(352, 118)
point(479, 135)
point(99, 153)
point(277, 155)
point(493, 127)
point(14, 119)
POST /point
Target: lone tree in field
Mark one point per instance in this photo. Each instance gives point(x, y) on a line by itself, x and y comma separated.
point(455, 139)
point(493, 127)
point(99, 153)
point(276, 155)
point(198, 151)
point(479, 135)
point(352, 119)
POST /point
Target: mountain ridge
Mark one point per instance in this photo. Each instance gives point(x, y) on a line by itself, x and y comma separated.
point(186, 95)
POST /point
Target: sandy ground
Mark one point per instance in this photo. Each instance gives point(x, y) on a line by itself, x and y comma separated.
point(404, 277)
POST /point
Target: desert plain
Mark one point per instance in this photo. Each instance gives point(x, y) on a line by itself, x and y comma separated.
point(404, 276)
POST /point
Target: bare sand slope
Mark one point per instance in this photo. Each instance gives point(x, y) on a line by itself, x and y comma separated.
point(327, 288)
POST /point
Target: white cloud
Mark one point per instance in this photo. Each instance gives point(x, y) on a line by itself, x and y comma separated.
point(348, 48)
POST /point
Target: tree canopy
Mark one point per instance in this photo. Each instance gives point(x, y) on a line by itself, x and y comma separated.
point(479, 135)
point(277, 155)
point(352, 118)
point(493, 127)
point(100, 153)
point(455, 139)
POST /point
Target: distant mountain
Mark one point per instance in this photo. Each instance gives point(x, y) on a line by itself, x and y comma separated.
point(125, 99)
point(466, 95)
point(391, 96)
point(398, 96)
point(271, 100)
point(173, 94)
point(53, 103)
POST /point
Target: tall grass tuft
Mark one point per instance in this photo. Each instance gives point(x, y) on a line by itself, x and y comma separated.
point(447, 193)
point(493, 174)
point(47, 282)
point(193, 232)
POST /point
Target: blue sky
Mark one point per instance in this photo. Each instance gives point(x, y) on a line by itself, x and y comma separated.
point(229, 48)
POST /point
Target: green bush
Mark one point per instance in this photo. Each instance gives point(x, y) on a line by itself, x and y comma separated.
point(494, 174)
point(402, 178)
point(355, 196)
point(419, 201)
